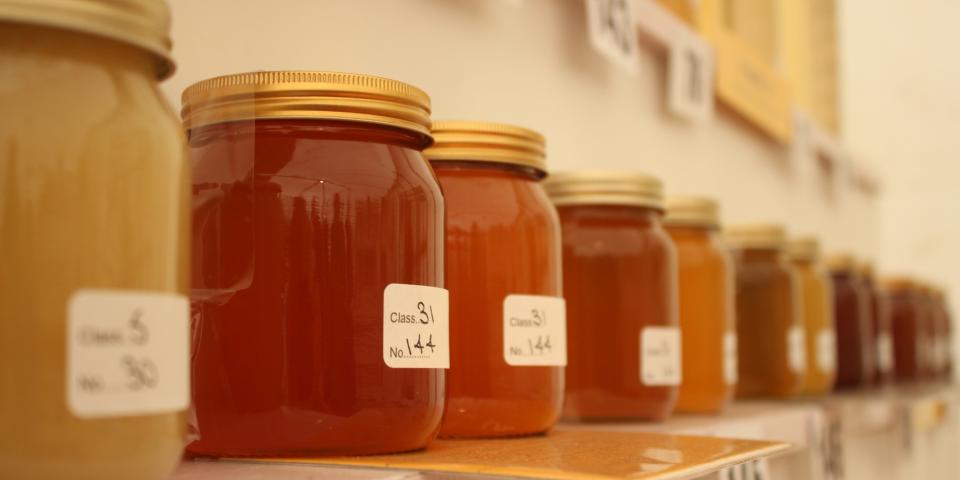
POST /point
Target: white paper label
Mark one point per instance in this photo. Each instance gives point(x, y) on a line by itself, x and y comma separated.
point(730, 364)
point(534, 330)
point(826, 351)
point(660, 356)
point(127, 353)
point(612, 32)
point(690, 80)
point(796, 349)
point(416, 326)
point(885, 352)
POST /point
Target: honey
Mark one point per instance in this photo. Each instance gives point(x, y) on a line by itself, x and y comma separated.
point(620, 283)
point(819, 325)
point(706, 288)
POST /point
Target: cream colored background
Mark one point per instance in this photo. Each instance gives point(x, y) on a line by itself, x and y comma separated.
point(528, 62)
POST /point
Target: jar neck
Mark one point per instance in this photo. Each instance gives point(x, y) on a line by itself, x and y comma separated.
point(493, 168)
point(316, 129)
point(644, 216)
point(54, 45)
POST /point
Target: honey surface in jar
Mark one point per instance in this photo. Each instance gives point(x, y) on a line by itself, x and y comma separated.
point(707, 323)
point(319, 322)
point(851, 307)
point(624, 358)
point(820, 328)
point(508, 329)
point(770, 331)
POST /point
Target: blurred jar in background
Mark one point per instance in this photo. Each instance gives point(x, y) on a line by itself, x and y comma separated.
point(94, 230)
point(706, 288)
point(905, 324)
point(929, 346)
point(508, 328)
point(620, 282)
point(851, 307)
point(819, 324)
point(879, 320)
point(770, 331)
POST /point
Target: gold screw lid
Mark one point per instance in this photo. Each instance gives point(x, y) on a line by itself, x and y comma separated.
point(841, 262)
point(598, 187)
point(487, 142)
point(803, 248)
point(864, 269)
point(897, 283)
point(692, 211)
point(144, 24)
point(306, 95)
point(758, 235)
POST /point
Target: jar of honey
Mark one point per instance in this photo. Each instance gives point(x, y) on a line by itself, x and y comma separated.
point(620, 283)
point(905, 325)
point(929, 355)
point(772, 346)
point(94, 330)
point(851, 307)
point(819, 326)
point(706, 288)
point(942, 335)
point(320, 323)
point(508, 336)
point(882, 339)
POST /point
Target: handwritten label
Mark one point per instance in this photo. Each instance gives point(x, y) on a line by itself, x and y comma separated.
point(534, 330)
point(826, 350)
point(660, 356)
point(127, 353)
point(416, 326)
point(612, 32)
point(730, 365)
point(797, 349)
point(690, 80)
point(885, 352)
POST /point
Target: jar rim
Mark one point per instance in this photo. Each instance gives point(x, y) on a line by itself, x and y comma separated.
point(601, 187)
point(476, 141)
point(144, 24)
point(317, 95)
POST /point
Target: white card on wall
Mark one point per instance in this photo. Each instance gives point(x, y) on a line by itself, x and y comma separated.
point(612, 32)
point(534, 330)
point(690, 87)
point(127, 353)
point(416, 326)
point(730, 365)
point(660, 356)
point(796, 349)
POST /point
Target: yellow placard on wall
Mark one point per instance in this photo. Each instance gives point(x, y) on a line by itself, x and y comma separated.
point(745, 35)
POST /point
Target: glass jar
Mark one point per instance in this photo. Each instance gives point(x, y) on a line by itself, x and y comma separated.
point(943, 335)
point(94, 237)
point(851, 308)
point(905, 321)
point(771, 337)
point(319, 324)
point(706, 285)
point(819, 324)
point(882, 339)
point(508, 338)
point(620, 282)
point(927, 330)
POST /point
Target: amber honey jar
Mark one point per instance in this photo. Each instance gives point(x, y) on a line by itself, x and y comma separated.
point(706, 287)
point(620, 283)
point(816, 292)
point(319, 318)
point(94, 317)
point(881, 330)
point(929, 354)
point(942, 334)
point(508, 334)
point(851, 308)
point(771, 346)
point(904, 323)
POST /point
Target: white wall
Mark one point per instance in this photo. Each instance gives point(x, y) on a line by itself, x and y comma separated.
point(526, 62)
point(901, 94)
